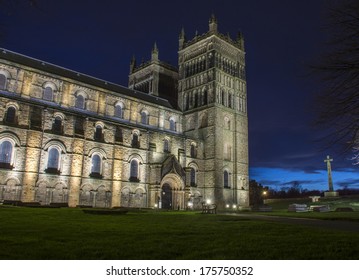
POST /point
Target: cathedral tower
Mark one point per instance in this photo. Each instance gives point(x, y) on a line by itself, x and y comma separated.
point(154, 77)
point(212, 96)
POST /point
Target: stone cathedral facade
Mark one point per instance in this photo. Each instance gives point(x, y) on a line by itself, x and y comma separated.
point(174, 138)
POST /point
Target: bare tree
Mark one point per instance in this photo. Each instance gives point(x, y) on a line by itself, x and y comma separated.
point(338, 70)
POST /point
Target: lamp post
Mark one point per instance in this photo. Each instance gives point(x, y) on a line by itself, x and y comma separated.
point(264, 194)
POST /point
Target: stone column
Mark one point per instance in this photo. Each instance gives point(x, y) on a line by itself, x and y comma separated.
point(32, 163)
point(117, 176)
point(76, 172)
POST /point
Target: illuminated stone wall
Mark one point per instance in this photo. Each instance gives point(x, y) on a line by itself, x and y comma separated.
point(28, 178)
point(71, 146)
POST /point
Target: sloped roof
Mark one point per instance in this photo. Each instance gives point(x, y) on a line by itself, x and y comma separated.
point(66, 73)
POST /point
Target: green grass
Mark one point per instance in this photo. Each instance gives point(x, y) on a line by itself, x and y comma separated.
point(32, 233)
point(333, 202)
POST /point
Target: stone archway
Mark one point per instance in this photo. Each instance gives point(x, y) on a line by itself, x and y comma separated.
point(166, 196)
point(172, 192)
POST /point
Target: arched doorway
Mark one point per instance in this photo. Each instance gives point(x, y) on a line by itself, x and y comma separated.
point(166, 196)
point(172, 192)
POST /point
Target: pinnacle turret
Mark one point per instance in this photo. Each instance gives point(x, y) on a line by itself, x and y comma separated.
point(181, 39)
point(213, 24)
point(154, 54)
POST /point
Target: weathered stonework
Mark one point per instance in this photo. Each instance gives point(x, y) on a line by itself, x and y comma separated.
point(69, 138)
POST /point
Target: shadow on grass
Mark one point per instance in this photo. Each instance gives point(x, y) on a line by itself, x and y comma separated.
point(27, 233)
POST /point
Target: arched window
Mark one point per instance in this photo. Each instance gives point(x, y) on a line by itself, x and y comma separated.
point(48, 93)
point(134, 171)
point(79, 126)
point(193, 179)
point(172, 125)
point(98, 133)
point(80, 102)
point(3, 81)
point(36, 118)
point(227, 152)
point(118, 134)
point(226, 182)
point(6, 154)
point(53, 161)
point(227, 123)
point(10, 115)
point(230, 100)
point(57, 125)
point(119, 111)
point(223, 98)
point(135, 142)
point(187, 102)
point(204, 120)
point(205, 97)
point(96, 164)
point(166, 146)
point(193, 151)
point(144, 117)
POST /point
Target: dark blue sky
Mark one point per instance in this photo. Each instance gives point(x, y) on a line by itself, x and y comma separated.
point(282, 39)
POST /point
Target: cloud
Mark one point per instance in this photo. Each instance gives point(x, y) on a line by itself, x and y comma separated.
point(350, 183)
point(301, 182)
point(314, 180)
point(269, 182)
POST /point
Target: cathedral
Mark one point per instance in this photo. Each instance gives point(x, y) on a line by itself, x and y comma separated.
point(174, 138)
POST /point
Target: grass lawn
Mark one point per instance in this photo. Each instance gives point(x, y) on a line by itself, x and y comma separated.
point(69, 233)
point(351, 201)
point(280, 208)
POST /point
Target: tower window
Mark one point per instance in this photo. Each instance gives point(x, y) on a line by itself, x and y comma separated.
point(48, 94)
point(166, 146)
point(193, 151)
point(96, 166)
point(80, 102)
point(134, 171)
point(79, 126)
point(10, 115)
point(36, 118)
point(205, 97)
point(144, 117)
point(227, 152)
point(98, 136)
point(226, 182)
point(57, 125)
point(6, 154)
point(172, 125)
point(2, 81)
point(193, 181)
point(119, 111)
point(223, 98)
point(227, 123)
point(135, 142)
point(230, 100)
point(118, 134)
point(53, 161)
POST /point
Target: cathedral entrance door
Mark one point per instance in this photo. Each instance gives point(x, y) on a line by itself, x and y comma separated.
point(166, 197)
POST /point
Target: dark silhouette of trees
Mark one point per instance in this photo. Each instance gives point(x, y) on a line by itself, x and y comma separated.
point(338, 71)
point(256, 193)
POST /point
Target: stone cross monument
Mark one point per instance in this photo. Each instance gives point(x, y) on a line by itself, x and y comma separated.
point(329, 168)
point(331, 191)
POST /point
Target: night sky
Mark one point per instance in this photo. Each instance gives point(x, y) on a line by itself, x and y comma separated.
point(282, 38)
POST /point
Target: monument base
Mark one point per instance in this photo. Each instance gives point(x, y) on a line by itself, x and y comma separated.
point(331, 194)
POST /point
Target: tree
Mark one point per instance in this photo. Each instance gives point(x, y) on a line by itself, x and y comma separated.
point(339, 75)
point(255, 193)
